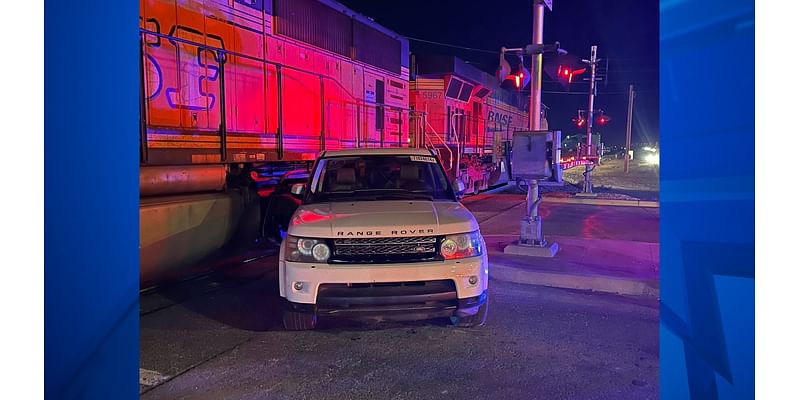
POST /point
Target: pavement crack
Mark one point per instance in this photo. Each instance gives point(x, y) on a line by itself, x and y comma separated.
point(501, 212)
point(168, 378)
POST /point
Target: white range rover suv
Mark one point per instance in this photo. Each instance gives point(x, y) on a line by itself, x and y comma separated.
point(381, 233)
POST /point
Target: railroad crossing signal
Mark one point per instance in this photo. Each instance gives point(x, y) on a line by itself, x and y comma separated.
point(518, 77)
point(600, 118)
point(564, 68)
point(565, 72)
point(580, 119)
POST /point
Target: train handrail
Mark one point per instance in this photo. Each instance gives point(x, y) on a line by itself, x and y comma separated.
point(443, 143)
point(458, 139)
point(357, 102)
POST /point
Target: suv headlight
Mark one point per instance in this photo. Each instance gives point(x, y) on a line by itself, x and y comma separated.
point(300, 249)
point(462, 245)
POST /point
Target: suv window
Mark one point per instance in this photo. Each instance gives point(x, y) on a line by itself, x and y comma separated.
point(379, 178)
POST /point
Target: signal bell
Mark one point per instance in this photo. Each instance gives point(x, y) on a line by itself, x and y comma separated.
point(503, 69)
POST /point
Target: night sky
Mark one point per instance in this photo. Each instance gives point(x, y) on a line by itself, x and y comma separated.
point(625, 31)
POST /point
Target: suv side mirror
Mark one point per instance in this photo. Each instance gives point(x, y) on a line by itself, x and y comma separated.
point(459, 187)
point(298, 189)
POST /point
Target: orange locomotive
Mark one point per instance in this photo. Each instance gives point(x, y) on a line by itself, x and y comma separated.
point(288, 77)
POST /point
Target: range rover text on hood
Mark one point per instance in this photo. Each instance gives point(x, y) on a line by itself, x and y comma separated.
point(394, 232)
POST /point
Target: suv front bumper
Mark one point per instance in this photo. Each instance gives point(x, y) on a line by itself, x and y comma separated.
point(300, 283)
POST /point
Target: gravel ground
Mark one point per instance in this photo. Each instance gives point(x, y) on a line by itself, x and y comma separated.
point(609, 177)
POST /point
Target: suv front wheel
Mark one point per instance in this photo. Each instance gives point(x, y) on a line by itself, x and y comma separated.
point(295, 319)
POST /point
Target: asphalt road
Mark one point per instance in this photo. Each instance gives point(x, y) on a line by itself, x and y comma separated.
point(220, 338)
point(501, 214)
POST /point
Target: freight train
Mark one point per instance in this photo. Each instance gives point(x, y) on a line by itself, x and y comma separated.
point(234, 92)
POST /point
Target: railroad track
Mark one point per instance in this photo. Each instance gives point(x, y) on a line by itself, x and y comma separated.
point(227, 275)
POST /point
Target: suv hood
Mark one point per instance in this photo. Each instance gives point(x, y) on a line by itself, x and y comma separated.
point(381, 219)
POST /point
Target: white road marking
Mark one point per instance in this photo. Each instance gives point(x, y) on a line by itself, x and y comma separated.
point(151, 378)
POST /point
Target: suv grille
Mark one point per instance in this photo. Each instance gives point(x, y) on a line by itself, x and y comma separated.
point(391, 249)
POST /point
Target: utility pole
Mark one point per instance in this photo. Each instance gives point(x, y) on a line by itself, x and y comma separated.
point(631, 95)
point(587, 176)
point(532, 221)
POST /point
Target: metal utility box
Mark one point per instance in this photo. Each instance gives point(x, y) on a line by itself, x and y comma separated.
point(529, 158)
point(555, 158)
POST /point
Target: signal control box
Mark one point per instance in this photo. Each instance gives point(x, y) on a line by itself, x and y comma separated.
point(530, 158)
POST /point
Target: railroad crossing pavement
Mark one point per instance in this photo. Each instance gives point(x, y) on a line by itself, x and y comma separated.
point(222, 338)
point(220, 335)
point(500, 214)
point(602, 248)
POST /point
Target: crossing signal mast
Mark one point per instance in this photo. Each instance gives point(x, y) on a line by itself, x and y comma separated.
point(587, 176)
point(531, 241)
point(596, 70)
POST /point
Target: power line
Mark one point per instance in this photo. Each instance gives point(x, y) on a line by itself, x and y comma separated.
point(649, 67)
point(599, 93)
point(453, 45)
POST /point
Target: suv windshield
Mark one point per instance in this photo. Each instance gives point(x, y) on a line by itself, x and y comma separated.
point(381, 177)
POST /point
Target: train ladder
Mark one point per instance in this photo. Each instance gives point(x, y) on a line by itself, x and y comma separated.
point(436, 148)
point(458, 142)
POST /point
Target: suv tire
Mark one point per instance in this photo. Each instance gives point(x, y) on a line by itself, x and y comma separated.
point(469, 321)
point(299, 321)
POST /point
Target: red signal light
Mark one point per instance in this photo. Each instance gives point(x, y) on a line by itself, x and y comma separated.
point(567, 73)
point(518, 79)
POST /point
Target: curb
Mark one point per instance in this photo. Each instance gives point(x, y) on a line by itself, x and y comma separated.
point(602, 202)
point(569, 281)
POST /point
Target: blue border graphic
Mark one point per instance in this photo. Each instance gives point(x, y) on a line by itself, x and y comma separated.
point(707, 199)
point(91, 210)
